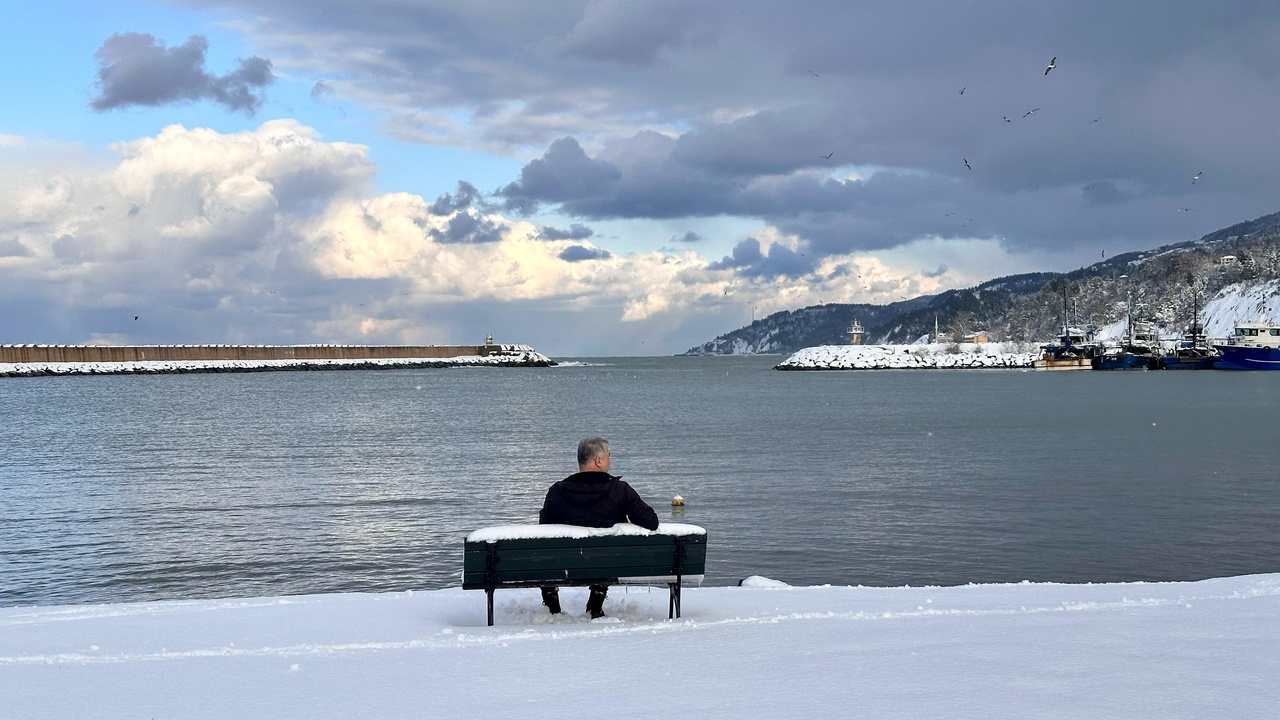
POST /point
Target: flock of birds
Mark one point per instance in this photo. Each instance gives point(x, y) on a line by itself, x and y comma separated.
point(1053, 63)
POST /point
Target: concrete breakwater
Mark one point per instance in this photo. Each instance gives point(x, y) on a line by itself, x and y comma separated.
point(903, 357)
point(28, 360)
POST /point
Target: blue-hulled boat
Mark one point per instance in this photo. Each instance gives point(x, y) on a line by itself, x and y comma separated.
point(1193, 351)
point(1252, 346)
point(1140, 351)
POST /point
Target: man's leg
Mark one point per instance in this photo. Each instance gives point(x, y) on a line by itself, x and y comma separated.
point(595, 601)
point(551, 598)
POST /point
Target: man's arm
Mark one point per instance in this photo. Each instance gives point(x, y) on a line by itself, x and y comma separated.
point(638, 511)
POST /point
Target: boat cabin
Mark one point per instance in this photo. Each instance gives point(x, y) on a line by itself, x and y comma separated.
point(1255, 335)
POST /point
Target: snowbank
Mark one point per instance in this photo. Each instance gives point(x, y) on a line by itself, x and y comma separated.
point(512, 356)
point(1133, 650)
point(930, 356)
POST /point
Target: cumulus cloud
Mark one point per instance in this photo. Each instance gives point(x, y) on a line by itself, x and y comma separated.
point(138, 69)
point(275, 235)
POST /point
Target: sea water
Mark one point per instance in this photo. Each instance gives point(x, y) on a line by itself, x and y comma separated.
point(124, 488)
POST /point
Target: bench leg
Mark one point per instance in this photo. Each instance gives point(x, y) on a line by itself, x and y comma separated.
point(489, 592)
point(673, 604)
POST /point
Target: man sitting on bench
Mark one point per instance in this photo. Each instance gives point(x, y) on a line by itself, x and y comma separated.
point(593, 498)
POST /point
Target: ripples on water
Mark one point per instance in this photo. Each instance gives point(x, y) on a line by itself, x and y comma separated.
point(124, 488)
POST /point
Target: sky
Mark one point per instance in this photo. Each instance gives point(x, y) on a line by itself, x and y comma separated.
point(1206, 649)
point(597, 178)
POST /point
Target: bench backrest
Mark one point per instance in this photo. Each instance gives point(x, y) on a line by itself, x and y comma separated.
point(609, 559)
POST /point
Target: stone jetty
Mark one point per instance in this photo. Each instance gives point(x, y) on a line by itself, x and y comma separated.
point(905, 357)
point(35, 360)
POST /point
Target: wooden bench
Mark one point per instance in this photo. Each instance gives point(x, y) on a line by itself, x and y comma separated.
point(526, 556)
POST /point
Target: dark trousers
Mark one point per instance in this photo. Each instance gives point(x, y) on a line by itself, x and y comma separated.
point(595, 601)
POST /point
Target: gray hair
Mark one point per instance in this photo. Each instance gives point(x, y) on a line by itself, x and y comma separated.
point(590, 448)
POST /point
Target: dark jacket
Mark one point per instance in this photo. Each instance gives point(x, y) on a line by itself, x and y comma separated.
point(595, 499)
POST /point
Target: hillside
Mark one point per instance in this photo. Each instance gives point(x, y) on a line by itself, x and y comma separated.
point(1164, 284)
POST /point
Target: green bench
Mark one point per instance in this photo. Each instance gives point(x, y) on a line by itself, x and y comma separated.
point(526, 556)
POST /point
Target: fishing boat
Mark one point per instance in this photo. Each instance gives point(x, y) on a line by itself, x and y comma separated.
point(1252, 346)
point(1193, 351)
point(1075, 350)
point(1139, 351)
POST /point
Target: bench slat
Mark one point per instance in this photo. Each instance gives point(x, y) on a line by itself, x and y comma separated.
point(519, 559)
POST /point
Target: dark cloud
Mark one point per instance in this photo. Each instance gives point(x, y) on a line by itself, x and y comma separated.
point(576, 231)
point(563, 175)
point(578, 253)
point(750, 98)
point(688, 237)
point(942, 270)
point(321, 89)
point(468, 228)
point(72, 250)
point(749, 261)
point(1104, 192)
point(638, 33)
point(465, 197)
point(13, 247)
point(137, 69)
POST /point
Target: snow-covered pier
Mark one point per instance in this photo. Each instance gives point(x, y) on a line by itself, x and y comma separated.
point(904, 357)
point(161, 359)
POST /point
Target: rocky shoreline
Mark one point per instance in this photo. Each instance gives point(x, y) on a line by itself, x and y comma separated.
point(969, 356)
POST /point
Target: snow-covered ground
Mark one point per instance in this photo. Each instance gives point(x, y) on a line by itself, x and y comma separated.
point(925, 356)
point(511, 355)
point(1208, 649)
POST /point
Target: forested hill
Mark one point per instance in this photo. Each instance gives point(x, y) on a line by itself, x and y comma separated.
point(1164, 284)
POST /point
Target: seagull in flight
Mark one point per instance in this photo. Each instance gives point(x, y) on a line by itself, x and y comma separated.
point(1197, 177)
point(966, 87)
point(1006, 118)
point(1031, 112)
point(1094, 120)
point(1052, 64)
point(1184, 209)
point(814, 74)
point(966, 163)
point(828, 155)
point(947, 215)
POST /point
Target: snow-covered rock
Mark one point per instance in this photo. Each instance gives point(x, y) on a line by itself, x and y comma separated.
point(931, 357)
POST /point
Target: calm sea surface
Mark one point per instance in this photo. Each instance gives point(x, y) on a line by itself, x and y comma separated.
point(127, 488)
